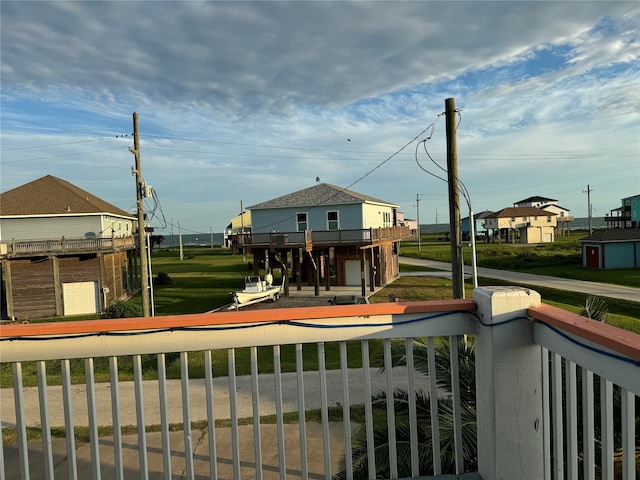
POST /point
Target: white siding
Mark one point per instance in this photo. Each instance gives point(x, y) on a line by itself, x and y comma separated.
point(373, 215)
point(68, 226)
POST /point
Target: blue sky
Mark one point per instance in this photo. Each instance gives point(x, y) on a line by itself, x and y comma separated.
point(248, 101)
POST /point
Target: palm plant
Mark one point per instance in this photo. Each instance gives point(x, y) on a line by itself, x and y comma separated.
point(595, 308)
point(423, 413)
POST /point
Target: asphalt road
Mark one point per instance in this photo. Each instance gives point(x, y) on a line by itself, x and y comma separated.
point(589, 288)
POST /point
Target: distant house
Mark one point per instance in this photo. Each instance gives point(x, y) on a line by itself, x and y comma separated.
point(239, 224)
point(526, 224)
point(63, 251)
point(402, 221)
point(625, 216)
point(327, 235)
point(611, 249)
point(479, 224)
point(563, 215)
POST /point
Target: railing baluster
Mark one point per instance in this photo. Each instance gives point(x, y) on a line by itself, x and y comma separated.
point(164, 415)
point(391, 410)
point(588, 428)
point(68, 420)
point(115, 418)
point(186, 414)
point(1, 455)
point(368, 409)
point(558, 437)
point(142, 433)
point(324, 410)
point(546, 416)
point(572, 420)
point(21, 425)
point(457, 410)
point(277, 369)
point(233, 406)
point(255, 397)
point(302, 425)
point(92, 414)
point(346, 411)
point(628, 435)
point(413, 413)
point(606, 424)
point(433, 403)
point(211, 418)
point(45, 424)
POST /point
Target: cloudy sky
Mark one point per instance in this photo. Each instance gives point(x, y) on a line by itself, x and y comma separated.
point(248, 101)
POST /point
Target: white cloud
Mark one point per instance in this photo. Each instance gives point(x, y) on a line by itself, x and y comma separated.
point(252, 100)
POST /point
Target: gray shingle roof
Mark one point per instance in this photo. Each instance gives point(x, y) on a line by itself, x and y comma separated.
point(50, 195)
point(614, 235)
point(320, 194)
point(536, 199)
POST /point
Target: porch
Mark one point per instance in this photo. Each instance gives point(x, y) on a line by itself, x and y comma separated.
point(533, 363)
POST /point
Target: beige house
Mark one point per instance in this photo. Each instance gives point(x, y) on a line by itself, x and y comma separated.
point(524, 224)
point(63, 251)
point(563, 215)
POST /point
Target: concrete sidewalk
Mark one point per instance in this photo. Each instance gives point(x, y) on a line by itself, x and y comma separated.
point(201, 465)
point(199, 439)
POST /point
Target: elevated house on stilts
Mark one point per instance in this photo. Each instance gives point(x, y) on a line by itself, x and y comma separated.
point(326, 236)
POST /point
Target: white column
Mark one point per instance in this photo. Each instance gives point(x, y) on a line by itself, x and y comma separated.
point(509, 385)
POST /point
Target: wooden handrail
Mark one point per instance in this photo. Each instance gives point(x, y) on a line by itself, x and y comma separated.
point(234, 317)
point(621, 341)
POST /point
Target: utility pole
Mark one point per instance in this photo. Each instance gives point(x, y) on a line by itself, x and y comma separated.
point(454, 199)
point(418, 218)
point(588, 192)
point(141, 223)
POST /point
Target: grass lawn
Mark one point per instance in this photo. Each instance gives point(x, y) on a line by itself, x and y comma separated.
point(204, 279)
point(561, 258)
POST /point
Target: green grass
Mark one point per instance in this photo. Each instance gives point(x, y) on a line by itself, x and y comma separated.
point(204, 279)
point(561, 258)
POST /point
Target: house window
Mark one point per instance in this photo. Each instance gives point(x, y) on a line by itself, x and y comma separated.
point(332, 221)
point(513, 219)
point(301, 219)
point(386, 219)
point(549, 219)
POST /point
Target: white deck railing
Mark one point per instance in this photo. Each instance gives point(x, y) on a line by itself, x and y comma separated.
point(522, 420)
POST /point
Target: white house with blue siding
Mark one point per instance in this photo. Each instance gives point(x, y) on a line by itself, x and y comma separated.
point(327, 234)
point(322, 207)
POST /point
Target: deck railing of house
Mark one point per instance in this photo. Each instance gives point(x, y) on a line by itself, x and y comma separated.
point(324, 237)
point(530, 424)
point(68, 245)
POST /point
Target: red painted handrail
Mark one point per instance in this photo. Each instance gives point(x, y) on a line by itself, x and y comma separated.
point(234, 317)
point(613, 338)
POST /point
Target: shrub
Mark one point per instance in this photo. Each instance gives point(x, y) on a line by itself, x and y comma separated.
point(120, 309)
point(162, 278)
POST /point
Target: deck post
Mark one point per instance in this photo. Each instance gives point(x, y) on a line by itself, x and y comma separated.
point(508, 385)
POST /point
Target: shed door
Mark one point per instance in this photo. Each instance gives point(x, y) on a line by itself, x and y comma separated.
point(352, 272)
point(80, 298)
point(593, 256)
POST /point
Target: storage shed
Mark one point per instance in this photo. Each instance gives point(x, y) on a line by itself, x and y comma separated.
point(611, 249)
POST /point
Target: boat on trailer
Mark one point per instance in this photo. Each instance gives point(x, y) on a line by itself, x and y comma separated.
point(256, 290)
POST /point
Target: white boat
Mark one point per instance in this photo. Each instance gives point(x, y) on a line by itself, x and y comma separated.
point(257, 290)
